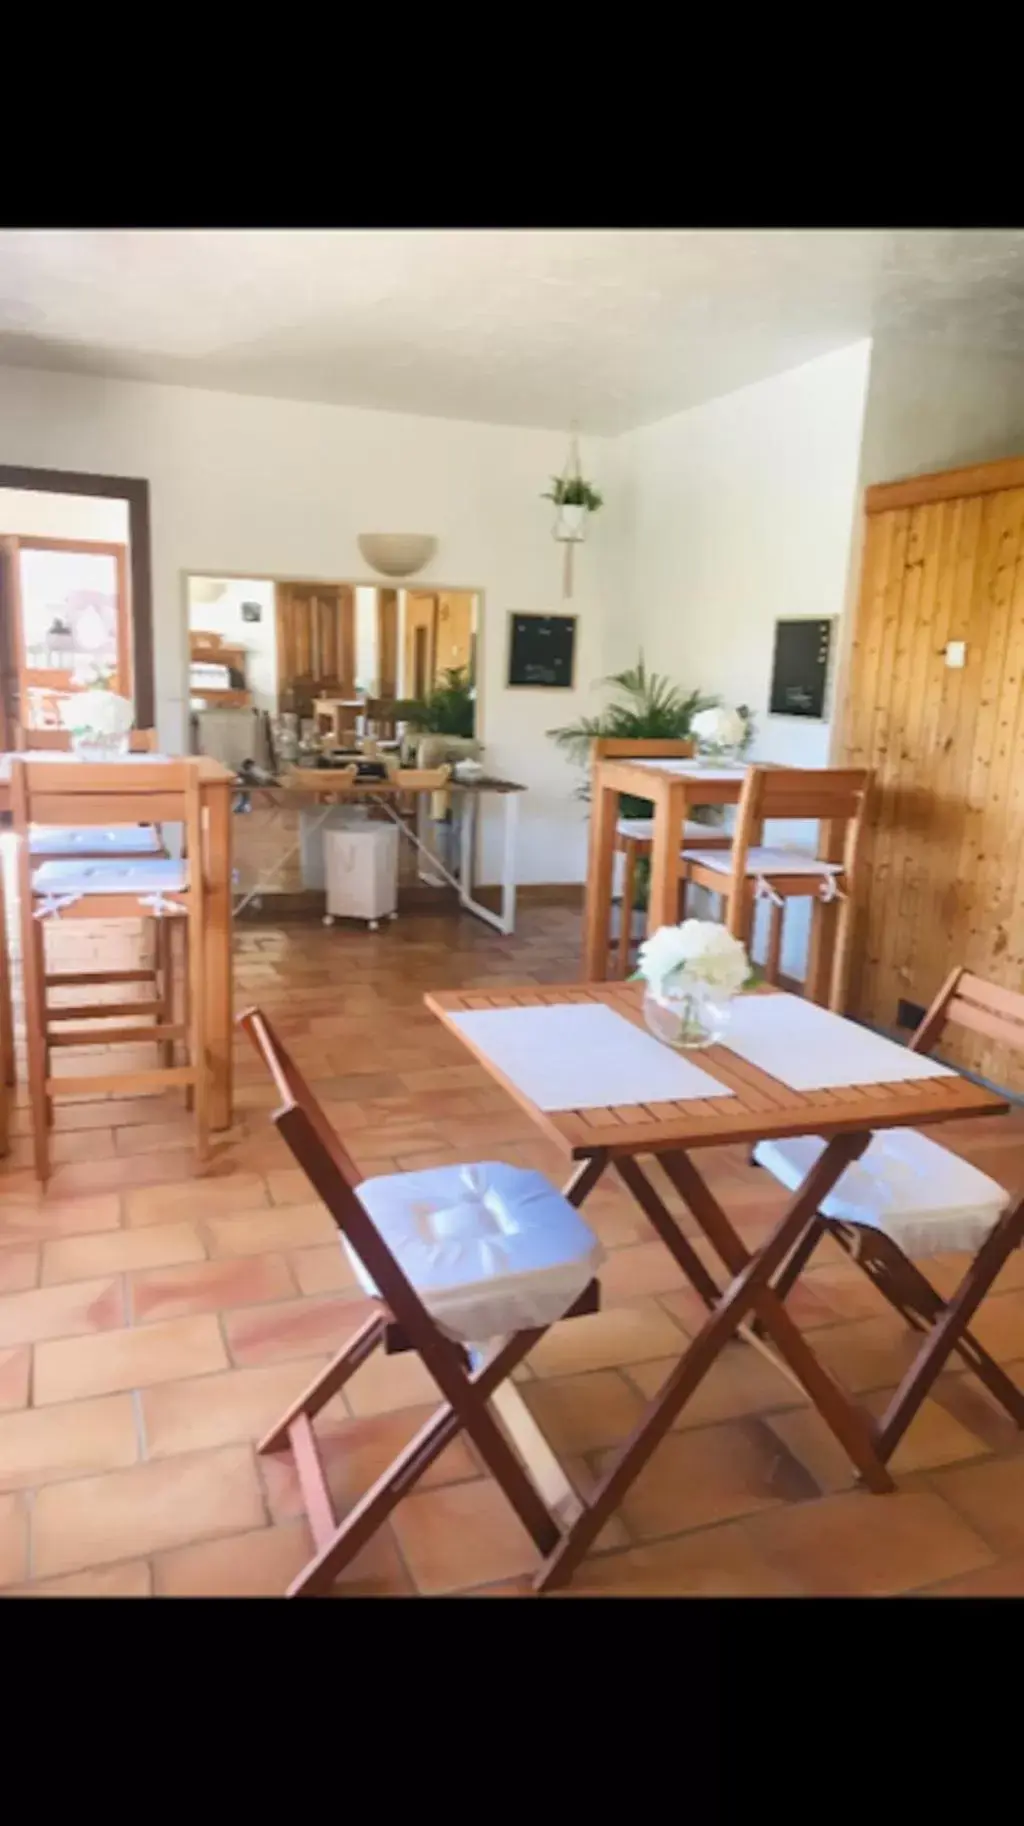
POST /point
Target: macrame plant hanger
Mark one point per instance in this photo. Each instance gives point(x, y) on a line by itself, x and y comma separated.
point(569, 537)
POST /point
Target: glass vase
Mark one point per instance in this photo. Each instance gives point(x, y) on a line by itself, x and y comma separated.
point(717, 754)
point(94, 745)
point(686, 1015)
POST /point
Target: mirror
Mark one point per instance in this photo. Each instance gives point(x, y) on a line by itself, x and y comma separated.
point(281, 670)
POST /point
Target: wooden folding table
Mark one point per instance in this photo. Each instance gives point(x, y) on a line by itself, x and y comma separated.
point(761, 1106)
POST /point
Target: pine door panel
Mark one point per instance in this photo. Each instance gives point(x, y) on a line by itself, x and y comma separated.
point(943, 874)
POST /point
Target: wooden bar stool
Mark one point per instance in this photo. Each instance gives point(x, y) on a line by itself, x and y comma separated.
point(835, 797)
point(90, 844)
point(45, 794)
point(634, 836)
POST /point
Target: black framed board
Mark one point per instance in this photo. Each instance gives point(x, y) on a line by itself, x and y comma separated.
point(542, 651)
point(800, 667)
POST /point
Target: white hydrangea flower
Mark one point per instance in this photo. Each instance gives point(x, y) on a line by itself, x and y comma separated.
point(698, 951)
point(98, 712)
point(724, 728)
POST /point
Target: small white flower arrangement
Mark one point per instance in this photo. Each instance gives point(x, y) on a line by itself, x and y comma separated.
point(719, 730)
point(698, 951)
point(97, 711)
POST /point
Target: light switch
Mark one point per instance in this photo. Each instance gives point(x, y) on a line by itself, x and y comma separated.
point(956, 652)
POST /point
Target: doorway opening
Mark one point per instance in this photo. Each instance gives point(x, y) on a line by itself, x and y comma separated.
point(75, 594)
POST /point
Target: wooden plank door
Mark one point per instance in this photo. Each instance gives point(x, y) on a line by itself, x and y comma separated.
point(316, 645)
point(942, 880)
point(387, 644)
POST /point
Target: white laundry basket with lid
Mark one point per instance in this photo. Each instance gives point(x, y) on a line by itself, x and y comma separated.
point(361, 868)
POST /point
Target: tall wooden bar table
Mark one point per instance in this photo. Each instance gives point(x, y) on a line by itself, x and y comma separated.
point(674, 789)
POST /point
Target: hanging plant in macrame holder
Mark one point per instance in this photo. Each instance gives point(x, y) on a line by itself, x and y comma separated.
point(575, 500)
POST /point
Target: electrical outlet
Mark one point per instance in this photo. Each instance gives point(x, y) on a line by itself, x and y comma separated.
point(956, 654)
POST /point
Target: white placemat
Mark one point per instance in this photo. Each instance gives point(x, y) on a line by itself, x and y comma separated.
point(693, 770)
point(810, 1049)
point(43, 756)
point(583, 1056)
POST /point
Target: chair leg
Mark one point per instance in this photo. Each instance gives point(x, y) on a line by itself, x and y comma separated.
point(7, 1059)
point(842, 956)
point(163, 945)
point(911, 1294)
point(34, 991)
point(187, 1000)
point(774, 958)
point(38, 940)
point(197, 1035)
point(626, 921)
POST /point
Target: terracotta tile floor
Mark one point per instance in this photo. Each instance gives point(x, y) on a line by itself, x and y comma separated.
point(155, 1319)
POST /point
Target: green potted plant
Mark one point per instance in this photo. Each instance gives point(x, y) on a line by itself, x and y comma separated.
point(574, 498)
point(445, 716)
point(644, 705)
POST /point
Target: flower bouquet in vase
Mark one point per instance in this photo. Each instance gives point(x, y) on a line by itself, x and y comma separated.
point(691, 973)
point(720, 734)
point(97, 718)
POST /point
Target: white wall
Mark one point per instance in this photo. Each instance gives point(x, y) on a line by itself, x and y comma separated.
point(741, 511)
point(939, 408)
point(265, 487)
point(37, 515)
point(259, 638)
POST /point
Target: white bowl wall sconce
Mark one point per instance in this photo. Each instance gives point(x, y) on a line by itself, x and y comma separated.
point(397, 554)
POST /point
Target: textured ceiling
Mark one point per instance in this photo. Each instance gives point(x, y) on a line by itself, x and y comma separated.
point(611, 328)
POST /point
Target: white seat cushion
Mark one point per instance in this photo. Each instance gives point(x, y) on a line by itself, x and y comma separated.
point(127, 840)
point(766, 862)
point(641, 830)
point(924, 1197)
point(490, 1249)
point(111, 875)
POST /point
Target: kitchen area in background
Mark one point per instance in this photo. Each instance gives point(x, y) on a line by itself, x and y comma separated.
point(295, 673)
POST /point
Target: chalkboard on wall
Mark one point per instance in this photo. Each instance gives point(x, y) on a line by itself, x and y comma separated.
point(542, 651)
point(800, 668)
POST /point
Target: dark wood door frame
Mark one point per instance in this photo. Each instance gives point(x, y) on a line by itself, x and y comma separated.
point(134, 490)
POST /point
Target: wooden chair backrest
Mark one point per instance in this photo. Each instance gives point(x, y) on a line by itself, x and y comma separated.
point(333, 1174)
point(380, 718)
point(420, 779)
point(968, 1001)
point(641, 748)
point(108, 793)
point(829, 793)
point(58, 741)
point(836, 797)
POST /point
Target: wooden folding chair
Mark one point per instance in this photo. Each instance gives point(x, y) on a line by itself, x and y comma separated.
point(423, 1246)
point(909, 1197)
point(836, 799)
point(634, 837)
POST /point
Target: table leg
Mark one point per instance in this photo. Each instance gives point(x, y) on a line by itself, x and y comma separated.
point(218, 960)
point(749, 1291)
point(824, 920)
point(7, 1073)
point(669, 817)
point(600, 862)
point(6, 1022)
point(508, 863)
